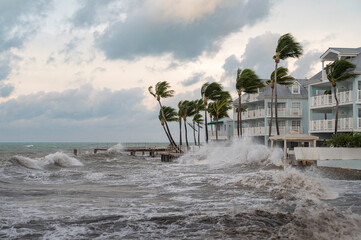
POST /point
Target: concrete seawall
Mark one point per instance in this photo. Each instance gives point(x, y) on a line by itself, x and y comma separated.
point(349, 158)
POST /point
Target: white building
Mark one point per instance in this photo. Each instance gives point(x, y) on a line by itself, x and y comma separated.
point(322, 106)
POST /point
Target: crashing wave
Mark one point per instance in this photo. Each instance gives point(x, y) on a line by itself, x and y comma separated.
point(58, 158)
point(238, 151)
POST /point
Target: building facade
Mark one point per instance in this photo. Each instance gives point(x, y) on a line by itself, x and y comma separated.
point(307, 106)
point(292, 108)
point(321, 97)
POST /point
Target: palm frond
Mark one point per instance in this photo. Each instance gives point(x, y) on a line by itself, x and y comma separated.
point(169, 113)
point(282, 77)
point(339, 70)
point(288, 47)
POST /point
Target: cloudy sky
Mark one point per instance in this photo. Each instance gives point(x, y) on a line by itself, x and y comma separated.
point(78, 70)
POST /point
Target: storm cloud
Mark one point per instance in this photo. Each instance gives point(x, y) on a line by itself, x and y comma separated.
point(78, 114)
point(155, 28)
point(259, 54)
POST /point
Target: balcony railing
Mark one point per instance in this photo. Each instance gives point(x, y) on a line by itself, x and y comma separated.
point(282, 112)
point(329, 99)
point(359, 95)
point(343, 124)
point(262, 131)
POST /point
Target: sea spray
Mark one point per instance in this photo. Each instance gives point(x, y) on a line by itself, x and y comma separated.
point(28, 162)
point(116, 148)
point(60, 159)
point(237, 151)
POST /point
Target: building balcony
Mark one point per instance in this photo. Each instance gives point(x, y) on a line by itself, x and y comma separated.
point(263, 131)
point(328, 100)
point(343, 124)
point(282, 112)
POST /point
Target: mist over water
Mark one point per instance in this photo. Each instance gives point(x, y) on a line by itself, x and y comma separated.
point(230, 190)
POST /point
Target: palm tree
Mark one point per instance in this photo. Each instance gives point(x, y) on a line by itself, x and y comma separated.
point(170, 116)
point(180, 116)
point(220, 109)
point(188, 110)
point(197, 118)
point(162, 90)
point(247, 81)
point(287, 47)
point(209, 91)
point(339, 71)
point(282, 79)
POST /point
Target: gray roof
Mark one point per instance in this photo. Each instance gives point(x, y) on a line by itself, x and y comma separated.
point(356, 60)
point(347, 50)
point(284, 92)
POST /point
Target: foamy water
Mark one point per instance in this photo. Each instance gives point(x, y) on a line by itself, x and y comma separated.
point(234, 190)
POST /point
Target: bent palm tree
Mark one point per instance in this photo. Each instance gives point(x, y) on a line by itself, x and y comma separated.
point(282, 79)
point(188, 110)
point(287, 47)
point(209, 91)
point(220, 109)
point(338, 71)
point(180, 116)
point(197, 118)
point(247, 81)
point(170, 116)
point(162, 90)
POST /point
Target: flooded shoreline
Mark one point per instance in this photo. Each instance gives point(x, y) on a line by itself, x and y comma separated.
point(217, 192)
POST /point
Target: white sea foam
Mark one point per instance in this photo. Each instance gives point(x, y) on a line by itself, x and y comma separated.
point(62, 160)
point(28, 162)
point(238, 151)
point(58, 158)
point(116, 148)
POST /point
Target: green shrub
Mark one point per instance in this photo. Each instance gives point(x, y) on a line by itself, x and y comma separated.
point(351, 140)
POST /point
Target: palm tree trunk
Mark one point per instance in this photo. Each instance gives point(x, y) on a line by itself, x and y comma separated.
point(185, 129)
point(165, 130)
point(276, 107)
point(238, 112)
point(217, 128)
point(199, 135)
point(180, 131)
point(205, 122)
point(270, 124)
point(194, 134)
point(166, 124)
point(336, 109)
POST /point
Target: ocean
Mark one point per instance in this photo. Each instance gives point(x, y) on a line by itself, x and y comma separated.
point(233, 190)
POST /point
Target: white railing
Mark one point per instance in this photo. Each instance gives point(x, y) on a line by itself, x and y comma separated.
point(343, 124)
point(261, 131)
point(286, 112)
point(249, 114)
point(282, 112)
point(329, 99)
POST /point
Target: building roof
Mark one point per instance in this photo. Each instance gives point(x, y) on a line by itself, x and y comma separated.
point(294, 137)
point(332, 53)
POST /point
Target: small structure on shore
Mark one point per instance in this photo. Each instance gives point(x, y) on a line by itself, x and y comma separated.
point(293, 137)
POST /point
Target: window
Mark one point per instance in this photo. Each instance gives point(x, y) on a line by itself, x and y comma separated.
point(296, 105)
point(296, 109)
point(295, 88)
point(296, 125)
